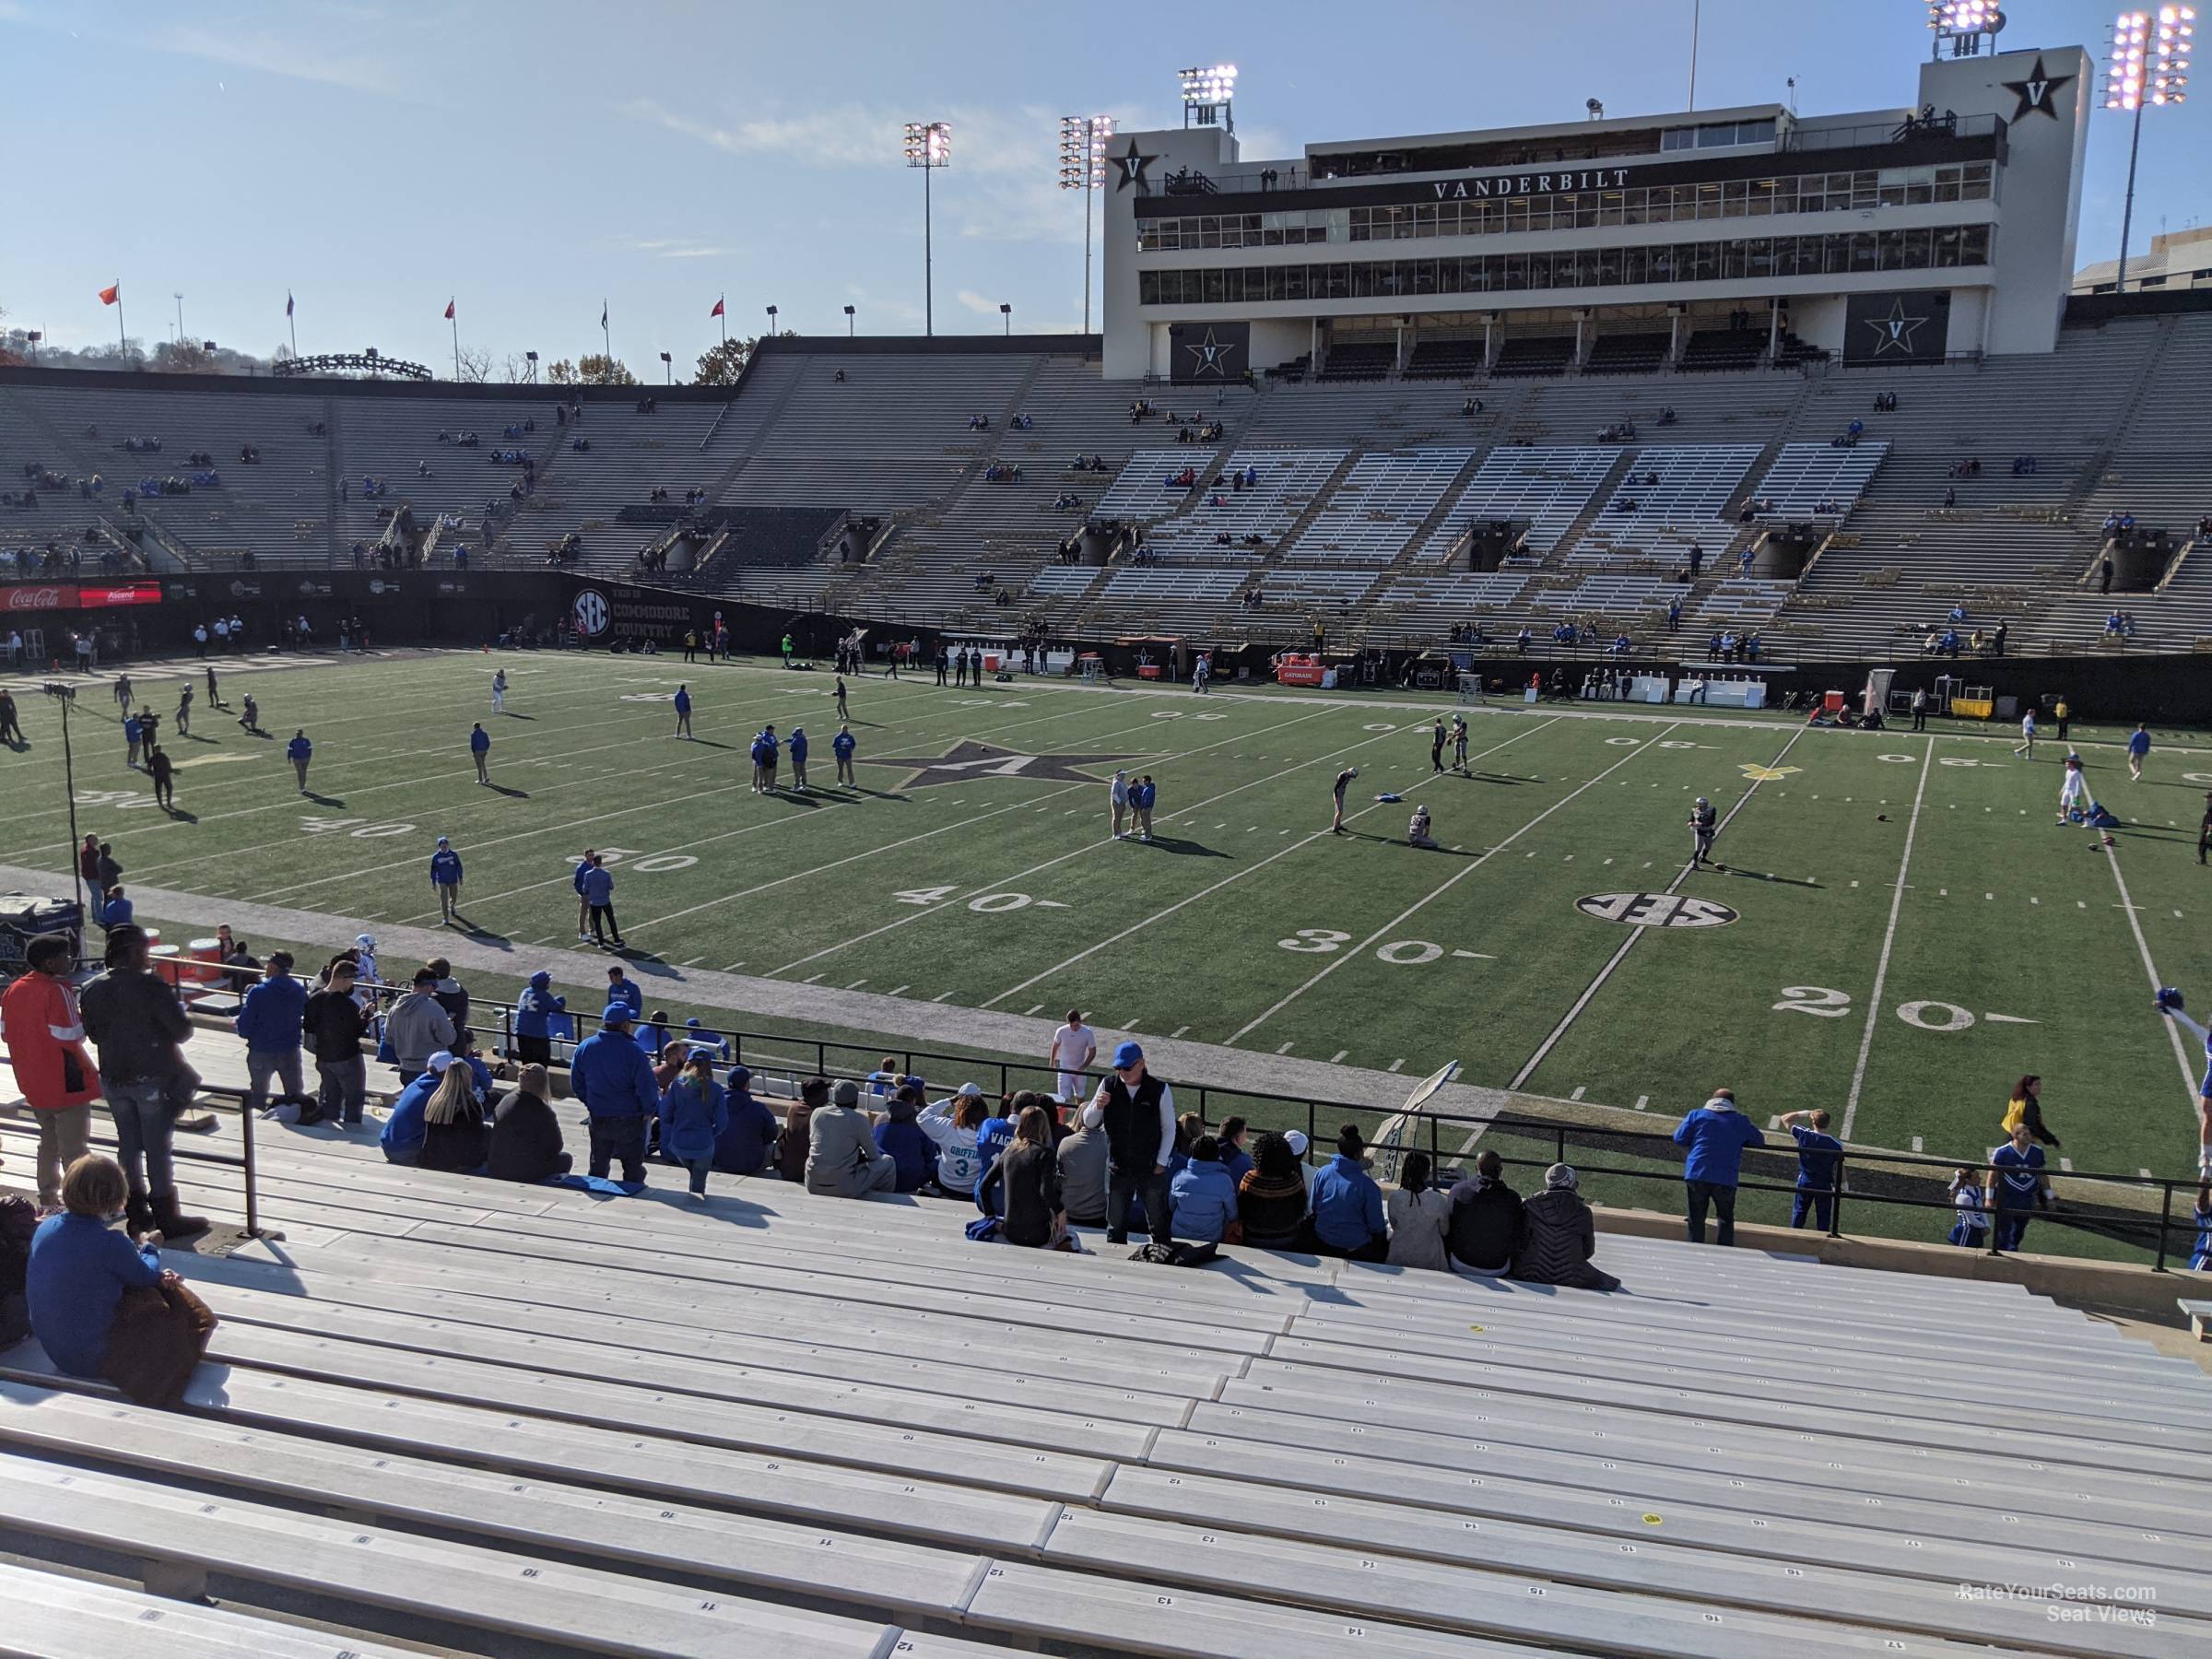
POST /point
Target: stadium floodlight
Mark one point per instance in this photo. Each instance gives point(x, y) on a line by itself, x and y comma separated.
point(1970, 26)
point(928, 146)
point(2148, 64)
point(1207, 96)
point(1083, 143)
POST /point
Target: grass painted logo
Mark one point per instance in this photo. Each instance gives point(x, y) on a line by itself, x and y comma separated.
point(1655, 910)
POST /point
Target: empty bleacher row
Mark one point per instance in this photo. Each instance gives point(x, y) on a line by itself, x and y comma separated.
point(460, 1414)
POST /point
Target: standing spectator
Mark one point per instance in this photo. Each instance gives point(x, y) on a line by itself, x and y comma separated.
point(139, 1028)
point(842, 745)
point(1028, 1176)
point(1419, 1218)
point(791, 1144)
point(1073, 1046)
point(2016, 1187)
point(798, 758)
point(419, 1025)
point(1484, 1229)
point(455, 1136)
point(1082, 1162)
point(2139, 750)
point(1558, 1237)
point(533, 1019)
point(525, 1134)
point(1820, 1154)
point(749, 1139)
point(1140, 1133)
point(300, 751)
point(1347, 1203)
point(1271, 1199)
point(842, 1160)
point(335, 1023)
point(45, 1040)
point(613, 1079)
point(1715, 1135)
point(694, 1111)
point(904, 1142)
point(1202, 1195)
point(159, 768)
point(599, 890)
point(270, 1018)
point(683, 703)
point(2026, 1106)
point(445, 880)
point(479, 748)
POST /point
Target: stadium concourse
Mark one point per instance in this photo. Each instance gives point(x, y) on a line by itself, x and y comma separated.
point(453, 1414)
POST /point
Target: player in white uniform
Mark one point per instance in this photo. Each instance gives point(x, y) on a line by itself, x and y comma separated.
point(1075, 1045)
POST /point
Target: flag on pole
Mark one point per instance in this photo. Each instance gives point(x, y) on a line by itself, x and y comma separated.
point(288, 302)
point(717, 311)
point(449, 311)
point(110, 295)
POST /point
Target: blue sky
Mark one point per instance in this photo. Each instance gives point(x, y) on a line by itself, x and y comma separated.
point(529, 161)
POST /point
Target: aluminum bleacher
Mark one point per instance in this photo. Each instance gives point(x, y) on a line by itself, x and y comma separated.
point(451, 1413)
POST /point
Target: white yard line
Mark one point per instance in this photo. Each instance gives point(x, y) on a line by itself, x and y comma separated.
point(1472, 866)
point(1604, 974)
point(1881, 966)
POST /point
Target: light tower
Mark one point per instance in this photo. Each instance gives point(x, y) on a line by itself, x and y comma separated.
point(2149, 65)
point(928, 147)
point(1083, 141)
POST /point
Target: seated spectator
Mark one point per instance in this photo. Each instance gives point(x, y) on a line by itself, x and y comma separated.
point(748, 1140)
point(1203, 1198)
point(953, 1126)
point(455, 1136)
point(101, 1304)
point(842, 1160)
point(1420, 1216)
point(1484, 1229)
point(901, 1140)
point(694, 1112)
point(525, 1134)
point(1271, 1199)
point(791, 1144)
point(1082, 1159)
point(1347, 1205)
point(1558, 1237)
point(1025, 1179)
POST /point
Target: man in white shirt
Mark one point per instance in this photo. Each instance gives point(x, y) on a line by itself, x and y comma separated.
point(1075, 1045)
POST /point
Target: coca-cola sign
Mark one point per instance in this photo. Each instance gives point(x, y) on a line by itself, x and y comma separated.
point(40, 598)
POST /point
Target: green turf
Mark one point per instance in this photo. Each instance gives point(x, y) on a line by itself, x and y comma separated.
point(1243, 926)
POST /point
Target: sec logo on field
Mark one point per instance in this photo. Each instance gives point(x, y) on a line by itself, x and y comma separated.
point(1655, 910)
point(591, 612)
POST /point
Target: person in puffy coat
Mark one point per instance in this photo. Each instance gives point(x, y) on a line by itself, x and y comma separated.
point(694, 1112)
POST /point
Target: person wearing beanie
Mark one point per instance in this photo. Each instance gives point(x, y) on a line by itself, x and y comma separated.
point(1271, 1199)
point(525, 1134)
point(842, 1159)
point(612, 1078)
point(1484, 1229)
point(1558, 1238)
point(1713, 1138)
point(790, 1143)
point(1139, 1120)
point(1418, 1214)
point(749, 1139)
point(534, 1011)
point(1082, 1161)
point(901, 1140)
point(1204, 1198)
point(1347, 1203)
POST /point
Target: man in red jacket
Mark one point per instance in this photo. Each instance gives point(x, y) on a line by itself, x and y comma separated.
point(46, 1047)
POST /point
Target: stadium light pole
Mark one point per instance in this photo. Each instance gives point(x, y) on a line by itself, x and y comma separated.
point(1083, 143)
point(928, 147)
point(2149, 65)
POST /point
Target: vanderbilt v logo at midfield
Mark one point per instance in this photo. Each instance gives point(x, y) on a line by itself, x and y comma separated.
point(969, 760)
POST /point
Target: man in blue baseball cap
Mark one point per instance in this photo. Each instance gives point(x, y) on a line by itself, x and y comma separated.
point(613, 1079)
point(1139, 1114)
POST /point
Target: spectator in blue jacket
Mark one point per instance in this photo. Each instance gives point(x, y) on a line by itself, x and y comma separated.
point(749, 1139)
point(694, 1112)
point(1347, 1205)
point(1714, 1136)
point(598, 890)
point(912, 1152)
point(445, 876)
point(798, 758)
point(479, 748)
point(1820, 1154)
point(269, 1019)
point(1205, 1197)
point(533, 1010)
point(613, 1079)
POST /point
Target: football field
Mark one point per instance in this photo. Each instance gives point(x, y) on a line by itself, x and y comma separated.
point(1899, 929)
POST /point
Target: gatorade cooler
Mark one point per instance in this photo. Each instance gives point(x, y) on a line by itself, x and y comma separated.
point(203, 961)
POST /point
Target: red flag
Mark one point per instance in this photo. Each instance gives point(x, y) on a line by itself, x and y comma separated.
point(717, 311)
point(108, 295)
point(449, 311)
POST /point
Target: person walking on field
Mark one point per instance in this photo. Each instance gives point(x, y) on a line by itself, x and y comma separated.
point(300, 751)
point(1344, 779)
point(499, 691)
point(1117, 794)
point(445, 876)
point(842, 745)
point(2139, 750)
point(1713, 1138)
point(1073, 1046)
point(479, 747)
point(683, 711)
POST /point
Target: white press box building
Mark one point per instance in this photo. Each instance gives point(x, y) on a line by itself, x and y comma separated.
point(1719, 238)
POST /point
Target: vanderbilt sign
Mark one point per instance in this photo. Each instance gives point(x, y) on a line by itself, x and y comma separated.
point(1532, 184)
